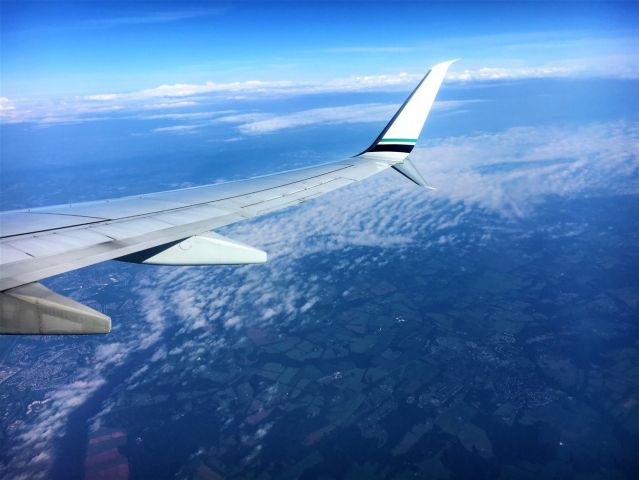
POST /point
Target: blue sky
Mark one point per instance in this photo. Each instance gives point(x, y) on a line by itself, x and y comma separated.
point(143, 83)
point(53, 49)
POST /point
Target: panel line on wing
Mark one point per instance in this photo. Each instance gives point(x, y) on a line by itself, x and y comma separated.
point(65, 215)
point(74, 227)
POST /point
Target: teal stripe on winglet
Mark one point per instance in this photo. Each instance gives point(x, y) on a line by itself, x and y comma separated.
point(393, 140)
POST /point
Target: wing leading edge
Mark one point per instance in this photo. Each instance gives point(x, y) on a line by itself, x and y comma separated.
point(173, 227)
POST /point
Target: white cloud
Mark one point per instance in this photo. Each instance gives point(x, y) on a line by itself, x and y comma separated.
point(184, 116)
point(510, 172)
point(168, 105)
point(611, 66)
point(243, 117)
point(263, 123)
point(177, 129)
point(185, 95)
point(349, 114)
point(356, 83)
point(8, 112)
point(623, 66)
point(5, 105)
point(48, 425)
point(359, 113)
point(505, 73)
point(186, 90)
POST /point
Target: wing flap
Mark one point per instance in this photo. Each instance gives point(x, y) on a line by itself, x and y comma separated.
point(33, 309)
point(27, 222)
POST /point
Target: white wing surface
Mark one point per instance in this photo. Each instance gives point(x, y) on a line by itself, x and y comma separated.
point(172, 227)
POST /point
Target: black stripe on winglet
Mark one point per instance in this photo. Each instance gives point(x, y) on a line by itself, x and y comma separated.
point(389, 147)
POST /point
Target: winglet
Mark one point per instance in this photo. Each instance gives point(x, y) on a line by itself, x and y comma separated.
point(398, 139)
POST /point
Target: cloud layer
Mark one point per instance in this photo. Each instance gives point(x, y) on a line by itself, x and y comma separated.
point(187, 95)
point(483, 179)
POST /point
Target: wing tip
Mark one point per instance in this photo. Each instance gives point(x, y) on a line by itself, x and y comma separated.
point(396, 142)
point(445, 65)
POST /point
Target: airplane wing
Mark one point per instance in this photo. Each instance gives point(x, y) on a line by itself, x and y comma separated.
point(173, 227)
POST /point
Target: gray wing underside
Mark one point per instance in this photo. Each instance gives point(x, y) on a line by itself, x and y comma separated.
point(41, 242)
